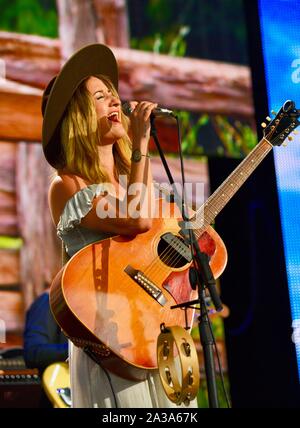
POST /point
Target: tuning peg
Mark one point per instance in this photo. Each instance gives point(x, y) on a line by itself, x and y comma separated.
point(274, 112)
point(284, 144)
point(290, 138)
point(268, 118)
point(295, 132)
point(263, 125)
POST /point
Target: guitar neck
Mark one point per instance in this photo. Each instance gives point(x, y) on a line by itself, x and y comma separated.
point(217, 201)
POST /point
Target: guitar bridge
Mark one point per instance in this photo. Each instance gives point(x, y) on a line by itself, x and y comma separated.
point(146, 283)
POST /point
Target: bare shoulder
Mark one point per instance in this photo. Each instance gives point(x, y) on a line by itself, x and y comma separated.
point(61, 189)
point(66, 183)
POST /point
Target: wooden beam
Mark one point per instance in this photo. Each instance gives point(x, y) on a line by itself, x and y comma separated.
point(8, 213)
point(7, 166)
point(77, 25)
point(185, 83)
point(9, 267)
point(20, 107)
point(14, 339)
point(40, 257)
point(20, 112)
point(8, 220)
point(29, 59)
point(12, 310)
point(178, 83)
point(8, 210)
point(112, 22)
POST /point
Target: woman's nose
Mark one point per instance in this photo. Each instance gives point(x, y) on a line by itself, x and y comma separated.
point(115, 101)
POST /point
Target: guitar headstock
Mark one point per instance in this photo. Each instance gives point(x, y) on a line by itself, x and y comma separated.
point(285, 121)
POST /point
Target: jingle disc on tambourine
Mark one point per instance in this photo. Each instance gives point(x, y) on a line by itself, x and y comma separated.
point(176, 352)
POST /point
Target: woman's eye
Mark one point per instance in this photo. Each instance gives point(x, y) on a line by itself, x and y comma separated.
point(100, 97)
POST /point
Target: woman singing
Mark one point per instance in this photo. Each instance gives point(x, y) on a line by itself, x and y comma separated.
point(86, 139)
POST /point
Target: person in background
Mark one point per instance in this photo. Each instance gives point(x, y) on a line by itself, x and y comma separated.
point(44, 342)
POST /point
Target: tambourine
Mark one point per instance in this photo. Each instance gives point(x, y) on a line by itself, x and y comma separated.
point(178, 390)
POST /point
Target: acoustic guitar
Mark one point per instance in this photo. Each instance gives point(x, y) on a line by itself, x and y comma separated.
point(113, 295)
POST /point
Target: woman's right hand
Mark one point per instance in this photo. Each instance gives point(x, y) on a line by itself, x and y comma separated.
point(140, 123)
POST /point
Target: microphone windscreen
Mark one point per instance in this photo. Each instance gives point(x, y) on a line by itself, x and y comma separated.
point(127, 110)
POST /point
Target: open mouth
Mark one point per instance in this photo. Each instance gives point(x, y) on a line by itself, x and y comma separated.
point(113, 117)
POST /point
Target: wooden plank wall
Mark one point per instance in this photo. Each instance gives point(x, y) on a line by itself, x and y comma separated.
point(11, 302)
point(24, 271)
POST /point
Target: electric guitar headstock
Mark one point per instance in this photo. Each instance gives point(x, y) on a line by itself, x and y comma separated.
point(285, 121)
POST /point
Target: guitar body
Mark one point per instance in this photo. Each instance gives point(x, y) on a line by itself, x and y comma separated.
point(95, 299)
point(56, 378)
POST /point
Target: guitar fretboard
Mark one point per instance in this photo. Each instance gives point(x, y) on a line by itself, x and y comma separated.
point(217, 201)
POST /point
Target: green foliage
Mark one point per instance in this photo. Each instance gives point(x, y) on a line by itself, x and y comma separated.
point(189, 132)
point(202, 396)
point(234, 138)
point(170, 43)
point(218, 333)
point(237, 138)
point(29, 17)
point(166, 32)
point(216, 325)
point(217, 27)
point(178, 44)
point(9, 243)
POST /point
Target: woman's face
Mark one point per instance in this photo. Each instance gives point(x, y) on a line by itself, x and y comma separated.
point(108, 110)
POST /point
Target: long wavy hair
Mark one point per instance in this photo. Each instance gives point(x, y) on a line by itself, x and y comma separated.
point(80, 133)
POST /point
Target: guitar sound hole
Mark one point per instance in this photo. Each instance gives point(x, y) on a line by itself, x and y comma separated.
point(169, 256)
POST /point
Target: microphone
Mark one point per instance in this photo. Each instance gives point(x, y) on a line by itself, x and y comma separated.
point(157, 112)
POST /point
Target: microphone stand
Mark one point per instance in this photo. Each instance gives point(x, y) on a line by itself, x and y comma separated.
point(205, 279)
point(201, 277)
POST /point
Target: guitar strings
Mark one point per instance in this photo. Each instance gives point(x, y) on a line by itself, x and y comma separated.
point(169, 250)
point(170, 257)
point(260, 153)
point(164, 257)
point(156, 266)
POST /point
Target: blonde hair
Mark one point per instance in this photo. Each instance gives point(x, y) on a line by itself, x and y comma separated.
point(80, 133)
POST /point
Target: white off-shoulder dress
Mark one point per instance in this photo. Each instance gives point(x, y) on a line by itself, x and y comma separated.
point(91, 385)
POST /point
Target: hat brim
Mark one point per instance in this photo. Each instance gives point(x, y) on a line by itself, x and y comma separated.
point(88, 61)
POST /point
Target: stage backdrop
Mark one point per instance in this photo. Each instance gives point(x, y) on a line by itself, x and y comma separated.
point(189, 56)
point(279, 23)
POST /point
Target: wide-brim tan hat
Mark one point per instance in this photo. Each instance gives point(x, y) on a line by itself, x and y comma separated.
point(90, 60)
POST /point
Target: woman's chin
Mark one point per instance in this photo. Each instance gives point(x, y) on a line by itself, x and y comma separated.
point(112, 137)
